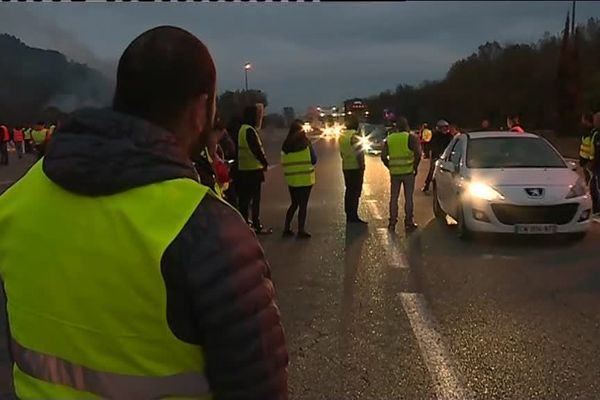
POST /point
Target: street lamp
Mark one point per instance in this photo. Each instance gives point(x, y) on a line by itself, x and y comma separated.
point(247, 67)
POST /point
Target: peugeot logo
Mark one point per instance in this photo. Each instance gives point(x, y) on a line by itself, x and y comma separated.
point(535, 192)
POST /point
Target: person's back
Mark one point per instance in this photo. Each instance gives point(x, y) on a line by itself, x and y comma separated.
point(128, 294)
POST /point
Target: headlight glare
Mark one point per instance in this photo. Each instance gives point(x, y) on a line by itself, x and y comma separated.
point(483, 191)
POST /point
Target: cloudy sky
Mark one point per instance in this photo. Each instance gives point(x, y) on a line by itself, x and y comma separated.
point(302, 53)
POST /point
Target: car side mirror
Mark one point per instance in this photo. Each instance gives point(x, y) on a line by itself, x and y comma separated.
point(572, 165)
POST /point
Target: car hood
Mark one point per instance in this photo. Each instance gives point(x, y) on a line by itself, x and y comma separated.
point(526, 176)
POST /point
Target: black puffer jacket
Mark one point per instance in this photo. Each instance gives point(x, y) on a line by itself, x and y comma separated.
point(219, 292)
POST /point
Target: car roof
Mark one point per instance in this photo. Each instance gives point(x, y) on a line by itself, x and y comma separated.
point(500, 134)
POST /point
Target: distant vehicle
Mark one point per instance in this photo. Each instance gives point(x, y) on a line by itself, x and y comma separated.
point(506, 183)
point(374, 136)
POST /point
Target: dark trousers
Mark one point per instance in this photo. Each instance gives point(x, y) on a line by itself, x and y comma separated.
point(299, 196)
point(426, 149)
point(353, 180)
point(430, 173)
point(408, 182)
point(4, 153)
point(20, 148)
point(249, 195)
point(40, 149)
point(595, 192)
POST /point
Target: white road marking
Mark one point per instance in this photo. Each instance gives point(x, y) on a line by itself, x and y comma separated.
point(372, 204)
point(434, 353)
point(396, 258)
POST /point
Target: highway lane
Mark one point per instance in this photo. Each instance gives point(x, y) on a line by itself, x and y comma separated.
point(369, 315)
point(517, 317)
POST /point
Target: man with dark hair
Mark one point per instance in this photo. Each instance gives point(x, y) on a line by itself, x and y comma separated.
point(514, 124)
point(150, 286)
point(353, 166)
point(401, 154)
point(251, 166)
point(439, 142)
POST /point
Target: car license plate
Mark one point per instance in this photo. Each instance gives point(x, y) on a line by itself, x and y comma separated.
point(535, 229)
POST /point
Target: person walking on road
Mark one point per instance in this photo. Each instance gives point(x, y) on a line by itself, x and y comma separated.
point(426, 136)
point(439, 142)
point(401, 154)
point(595, 168)
point(514, 124)
point(252, 165)
point(298, 159)
point(39, 134)
point(19, 141)
point(28, 140)
point(586, 149)
point(147, 286)
point(353, 165)
point(4, 139)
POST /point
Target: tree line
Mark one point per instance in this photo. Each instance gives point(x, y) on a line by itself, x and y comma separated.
point(547, 83)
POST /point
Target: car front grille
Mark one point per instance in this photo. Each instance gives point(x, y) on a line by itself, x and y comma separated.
point(511, 215)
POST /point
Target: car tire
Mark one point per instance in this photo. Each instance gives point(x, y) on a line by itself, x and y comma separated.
point(463, 231)
point(439, 214)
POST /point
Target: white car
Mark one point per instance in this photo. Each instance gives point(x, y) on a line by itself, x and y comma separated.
point(506, 182)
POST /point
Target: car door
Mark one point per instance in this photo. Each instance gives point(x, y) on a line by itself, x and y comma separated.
point(443, 176)
point(455, 161)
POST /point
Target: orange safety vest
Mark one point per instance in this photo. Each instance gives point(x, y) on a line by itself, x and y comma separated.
point(18, 135)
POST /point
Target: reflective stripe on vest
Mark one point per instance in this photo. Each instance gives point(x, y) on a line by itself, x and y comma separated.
point(401, 157)
point(298, 168)
point(587, 149)
point(108, 385)
point(86, 309)
point(347, 151)
point(246, 159)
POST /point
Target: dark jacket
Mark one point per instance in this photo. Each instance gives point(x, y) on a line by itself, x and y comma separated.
point(439, 142)
point(413, 145)
point(299, 145)
point(218, 286)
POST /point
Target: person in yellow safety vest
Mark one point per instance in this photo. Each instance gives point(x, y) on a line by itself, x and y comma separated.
point(39, 134)
point(148, 286)
point(586, 149)
point(426, 136)
point(28, 139)
point(401, 154)
point(353, 166)
point(298, 160)
point(252, 165)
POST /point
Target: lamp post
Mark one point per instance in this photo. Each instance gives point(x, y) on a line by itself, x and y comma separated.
point(247, 67)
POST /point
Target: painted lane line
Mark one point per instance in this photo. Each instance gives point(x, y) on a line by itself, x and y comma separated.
point(396, 258)
point(372, 204)
point(445, 381)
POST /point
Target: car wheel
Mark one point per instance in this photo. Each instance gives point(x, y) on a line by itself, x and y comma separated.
point(464, 233)
point(439, 214)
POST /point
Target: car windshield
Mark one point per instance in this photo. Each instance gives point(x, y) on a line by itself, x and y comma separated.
point(516, 152)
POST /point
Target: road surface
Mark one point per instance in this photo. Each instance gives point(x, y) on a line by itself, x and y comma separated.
point(372, 315)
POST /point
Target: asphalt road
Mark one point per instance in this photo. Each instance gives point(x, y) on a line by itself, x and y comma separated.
point(372, 315)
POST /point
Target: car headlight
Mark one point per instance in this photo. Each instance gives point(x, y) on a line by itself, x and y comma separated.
point(365, 143)
point(483, 191)
point(577, 190)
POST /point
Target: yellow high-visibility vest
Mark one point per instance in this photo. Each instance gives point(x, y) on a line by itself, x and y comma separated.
point(247, 161)
point(587, 149)
point(87, 313)
point(401, 157)
point(298, 168)
point(347, 151)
